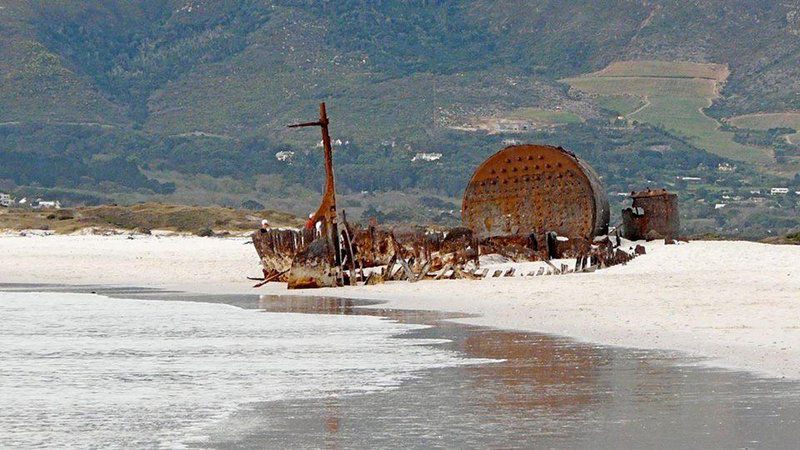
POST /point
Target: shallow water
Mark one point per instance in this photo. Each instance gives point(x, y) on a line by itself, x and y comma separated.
point(82, 369)
point(545, 392)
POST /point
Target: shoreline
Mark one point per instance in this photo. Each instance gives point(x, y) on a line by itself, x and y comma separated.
point(735, 303)
point(571, 394)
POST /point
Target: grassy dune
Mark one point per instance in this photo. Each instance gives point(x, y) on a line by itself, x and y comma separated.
point(142, 217)
point(674, 95)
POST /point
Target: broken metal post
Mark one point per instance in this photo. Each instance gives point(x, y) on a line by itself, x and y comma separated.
point(327, 209)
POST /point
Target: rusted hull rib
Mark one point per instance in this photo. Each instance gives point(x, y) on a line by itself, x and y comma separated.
point(314, 267)
point(277, 249)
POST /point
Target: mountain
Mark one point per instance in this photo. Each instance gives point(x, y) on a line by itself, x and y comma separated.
point(111, 100)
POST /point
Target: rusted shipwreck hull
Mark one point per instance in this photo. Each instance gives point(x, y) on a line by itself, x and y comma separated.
point(304, 260)
point(526, 202)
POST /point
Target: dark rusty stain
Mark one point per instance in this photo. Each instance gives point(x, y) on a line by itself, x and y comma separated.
point(654, 215)
point(508, 197)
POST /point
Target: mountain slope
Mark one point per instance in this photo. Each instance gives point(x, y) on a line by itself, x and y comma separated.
point(189, 99)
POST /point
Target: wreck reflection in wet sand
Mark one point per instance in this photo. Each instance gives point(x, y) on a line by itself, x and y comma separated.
point(549, 392)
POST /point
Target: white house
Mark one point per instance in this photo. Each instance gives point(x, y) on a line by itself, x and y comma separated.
point(427, 157)
point(46, 204)
point(6, 201)
point(284, 155)
point(778, 191)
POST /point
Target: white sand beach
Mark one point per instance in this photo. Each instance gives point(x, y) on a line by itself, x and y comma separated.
point(737, 303)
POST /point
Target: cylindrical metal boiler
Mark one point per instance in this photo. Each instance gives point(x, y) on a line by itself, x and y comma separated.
point(535, 189)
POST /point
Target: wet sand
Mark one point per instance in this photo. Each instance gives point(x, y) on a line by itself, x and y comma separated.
point(548, 392)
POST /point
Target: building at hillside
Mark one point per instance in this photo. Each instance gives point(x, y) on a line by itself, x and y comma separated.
point(6, 201)
point(46, 204)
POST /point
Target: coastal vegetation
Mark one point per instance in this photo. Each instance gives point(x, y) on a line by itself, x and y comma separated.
point(142, 218)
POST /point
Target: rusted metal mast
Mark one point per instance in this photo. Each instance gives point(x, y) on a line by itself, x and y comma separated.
point(327, 209)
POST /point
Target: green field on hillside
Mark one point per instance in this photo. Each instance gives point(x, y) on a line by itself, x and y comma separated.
point(674, 100)
point(621, 104)
point(665, 69)
point(766, 121)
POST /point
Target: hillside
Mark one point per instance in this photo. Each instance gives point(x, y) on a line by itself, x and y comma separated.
point(672, 95)
point(187, 100)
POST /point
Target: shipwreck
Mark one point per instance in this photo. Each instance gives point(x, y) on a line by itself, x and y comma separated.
point(525, 202)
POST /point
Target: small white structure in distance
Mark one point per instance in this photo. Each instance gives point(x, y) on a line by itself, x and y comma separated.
point(430, 157)
point(46, 204)
point(6, 201)
point(778, 191)
point(284, 156)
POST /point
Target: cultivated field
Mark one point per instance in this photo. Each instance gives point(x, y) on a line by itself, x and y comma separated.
point(665, 69)
point(674, 96)
point(765, 121)
point(621, 104)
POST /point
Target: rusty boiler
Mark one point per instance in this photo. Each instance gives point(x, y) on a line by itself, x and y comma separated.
point(535, 189)
point(653, 215)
